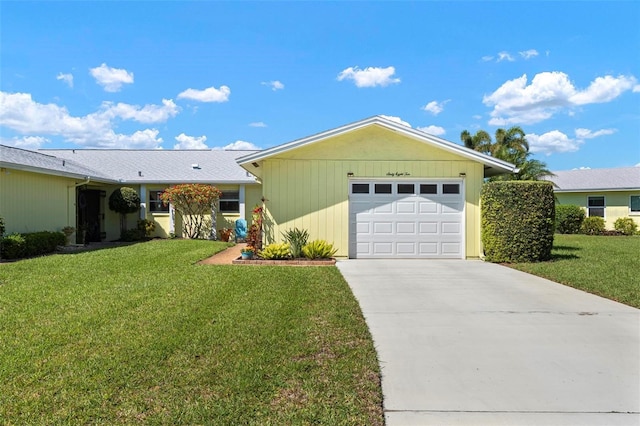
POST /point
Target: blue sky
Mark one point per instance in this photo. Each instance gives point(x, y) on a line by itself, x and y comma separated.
point(243, 74)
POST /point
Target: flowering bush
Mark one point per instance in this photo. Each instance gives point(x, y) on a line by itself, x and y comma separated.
point(192, 201)
point(248, 249)
point(254, 236)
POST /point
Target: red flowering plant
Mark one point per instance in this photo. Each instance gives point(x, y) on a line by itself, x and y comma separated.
point(193, 201)
point(254, 236)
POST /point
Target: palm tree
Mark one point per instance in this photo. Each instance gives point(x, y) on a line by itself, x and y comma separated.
point(510, 145)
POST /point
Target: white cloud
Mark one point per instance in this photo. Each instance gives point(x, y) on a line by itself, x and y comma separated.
point(504, 56)
point(553, 141)
point(111, 79)
point(190, 142)
point(26, 142)
point(433, 130)
point(210, 94)
point(604, 89)
point(275, 85)
point(257, 124)
point(515, 102)
point(145, 114)
point(67, 78)
point(396, 119)
point(19, 112)
point(487, 58)
point(528, 54)
point(241, 146)
point(370, 76)
point(435, 107)
point(588, 134)
point(636, 88)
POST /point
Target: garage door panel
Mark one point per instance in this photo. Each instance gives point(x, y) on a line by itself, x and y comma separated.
point(451, 207)
point(406, 249)
point(451, 248)
point(451, 228)
point(428, 227)
point(428, 207)
point(382, 248)
point(428, 248)
point(406, 207)
point(382, 228)
point(405, 228)
point(363, 227)
point(383, 209)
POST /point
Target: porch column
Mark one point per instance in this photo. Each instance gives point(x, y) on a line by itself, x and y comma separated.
point(143, 201)
point(172, 220)
point(241, 200)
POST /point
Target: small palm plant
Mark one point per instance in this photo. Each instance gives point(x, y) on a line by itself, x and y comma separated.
point(297, 239)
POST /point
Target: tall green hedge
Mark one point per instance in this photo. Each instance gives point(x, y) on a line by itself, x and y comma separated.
point(517, 221)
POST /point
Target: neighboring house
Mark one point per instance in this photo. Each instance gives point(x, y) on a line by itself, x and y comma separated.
point(376, 188)
point(607, 193)
point(50, 189)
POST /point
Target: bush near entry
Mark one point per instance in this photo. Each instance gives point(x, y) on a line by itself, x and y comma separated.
point(16, 246)
point(593, 225)
point(569, 218)
point(625, 225)
point(518, 219)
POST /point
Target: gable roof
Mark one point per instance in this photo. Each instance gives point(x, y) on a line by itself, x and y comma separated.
point(492, 166)
point(162, 166)
point(32, 161)
point(583, 180)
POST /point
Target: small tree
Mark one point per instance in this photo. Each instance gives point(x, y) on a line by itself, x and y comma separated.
point(124, 200)
point(193, 201)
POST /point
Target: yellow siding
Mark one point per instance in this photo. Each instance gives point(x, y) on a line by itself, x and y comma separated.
point(308, 187)
point(31, 202)
point(617, 204)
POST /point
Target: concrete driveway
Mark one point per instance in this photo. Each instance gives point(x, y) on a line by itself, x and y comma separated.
point(469, 342)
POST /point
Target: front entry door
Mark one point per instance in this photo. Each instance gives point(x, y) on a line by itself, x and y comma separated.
point(89, 216)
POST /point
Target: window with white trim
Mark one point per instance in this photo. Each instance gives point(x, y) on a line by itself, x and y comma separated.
point(595, 206)
point(155, 203)
point(230, 202)
point(634, 204)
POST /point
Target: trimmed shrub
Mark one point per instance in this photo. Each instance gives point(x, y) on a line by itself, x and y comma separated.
point(276, 251)
point(16, 246)
point(569, 218)
point(593, 225)
point(13, 246)
point(297, 239)
point(319, 249)
point(518, 220)
point(124, 200)
point(43, 242)
point(1, 227)
point(625, 225)
point(132, 235)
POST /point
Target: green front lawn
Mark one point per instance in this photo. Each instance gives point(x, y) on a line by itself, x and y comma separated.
point(140, 334)
point(606, 266)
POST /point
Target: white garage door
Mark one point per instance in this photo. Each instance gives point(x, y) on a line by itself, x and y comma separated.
point(406, 219)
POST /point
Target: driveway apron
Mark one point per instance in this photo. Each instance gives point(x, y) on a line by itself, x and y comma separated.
point(470, 342)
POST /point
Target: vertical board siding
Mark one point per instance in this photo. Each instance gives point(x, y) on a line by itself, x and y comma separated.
point(32, 202)
point(313, 194)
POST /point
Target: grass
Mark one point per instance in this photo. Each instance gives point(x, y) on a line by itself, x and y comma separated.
point(606, 266)
point(141, 334)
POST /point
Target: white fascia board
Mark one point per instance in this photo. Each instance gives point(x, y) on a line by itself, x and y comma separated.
point(597, 190)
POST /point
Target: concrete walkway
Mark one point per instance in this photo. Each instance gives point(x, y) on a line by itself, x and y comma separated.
point(474, 343)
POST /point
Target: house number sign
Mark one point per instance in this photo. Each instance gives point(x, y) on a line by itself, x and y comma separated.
point(398, 174)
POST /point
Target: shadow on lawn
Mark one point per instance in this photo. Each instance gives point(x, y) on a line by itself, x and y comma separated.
point(560, 253)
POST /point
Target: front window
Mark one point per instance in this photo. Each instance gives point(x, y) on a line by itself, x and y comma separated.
point(596, 206)
point(634, 204)
point(155, 203)
point(230, 202)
